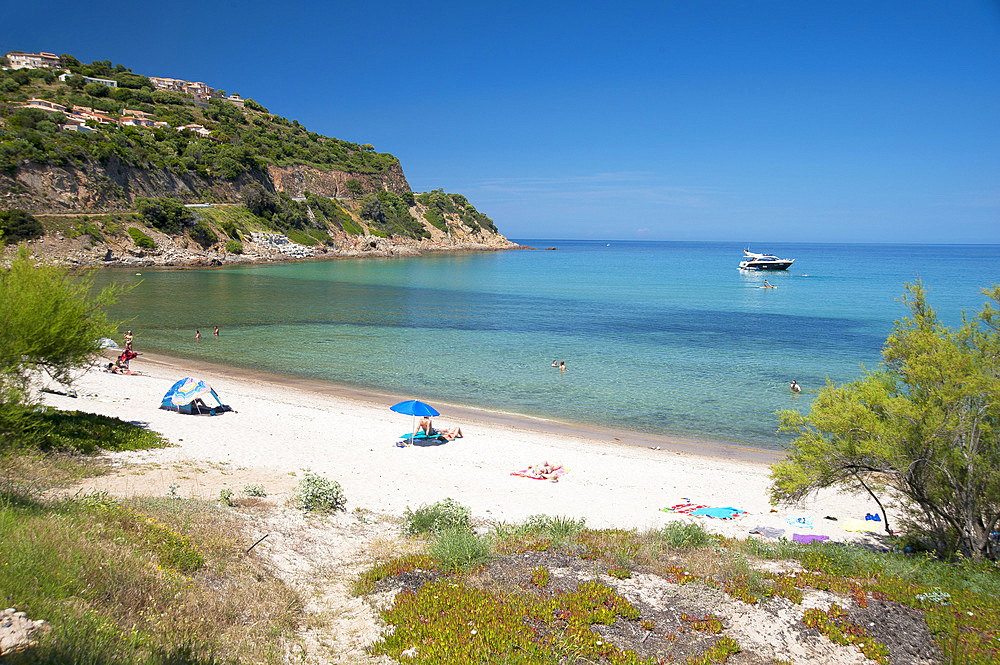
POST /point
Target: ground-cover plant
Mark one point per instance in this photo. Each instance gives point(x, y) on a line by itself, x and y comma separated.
point(834, 624)
point(316, 493)
point(449, 622)
point(959, 599)
point(437, 517)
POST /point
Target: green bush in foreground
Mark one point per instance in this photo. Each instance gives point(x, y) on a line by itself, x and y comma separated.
point(316, 493)
point(458, 548)
point(441, 516)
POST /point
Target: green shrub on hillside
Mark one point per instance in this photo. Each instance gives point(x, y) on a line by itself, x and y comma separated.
point(242, 142)
point(166, 215)
point(140, 239)
point(203, 234)
point(234, 246)
point(18, 225)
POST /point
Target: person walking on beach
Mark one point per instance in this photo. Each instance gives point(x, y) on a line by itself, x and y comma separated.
point(216, 332)
point(128, 340)
point(197, 334)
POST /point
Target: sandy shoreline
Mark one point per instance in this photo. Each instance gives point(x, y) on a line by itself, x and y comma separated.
point(284, 426)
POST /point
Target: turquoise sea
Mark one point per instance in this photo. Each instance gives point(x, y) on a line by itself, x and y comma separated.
point(667, 338)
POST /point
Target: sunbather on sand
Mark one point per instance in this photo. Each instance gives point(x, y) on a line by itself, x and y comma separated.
point(427, 428)
point(545, 470)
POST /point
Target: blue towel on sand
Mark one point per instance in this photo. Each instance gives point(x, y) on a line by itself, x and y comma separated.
point(718, 513)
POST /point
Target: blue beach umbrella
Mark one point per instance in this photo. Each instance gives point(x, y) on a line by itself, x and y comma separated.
point(414, 408)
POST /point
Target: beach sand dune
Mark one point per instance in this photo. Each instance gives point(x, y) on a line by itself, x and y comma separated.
point(283, 428)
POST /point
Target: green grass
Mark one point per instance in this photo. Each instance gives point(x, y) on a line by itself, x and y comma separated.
point(438, 517)
point(144, 581)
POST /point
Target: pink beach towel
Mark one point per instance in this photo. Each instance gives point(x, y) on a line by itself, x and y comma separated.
point(684, 508)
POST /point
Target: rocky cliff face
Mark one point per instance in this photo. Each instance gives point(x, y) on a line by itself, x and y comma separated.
point(112, 185)
point(296, 180)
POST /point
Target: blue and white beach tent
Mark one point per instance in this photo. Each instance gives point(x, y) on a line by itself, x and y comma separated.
point(189, 396)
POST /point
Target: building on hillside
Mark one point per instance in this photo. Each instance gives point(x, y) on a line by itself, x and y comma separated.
point(197, 129)
point(96, 116)
point(236, 99)
point(132, 121)
point(90, 79)
point(43, 60)
point(43, 104)
point(198, 90)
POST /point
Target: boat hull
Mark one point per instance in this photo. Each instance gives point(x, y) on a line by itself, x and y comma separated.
point(766, 265)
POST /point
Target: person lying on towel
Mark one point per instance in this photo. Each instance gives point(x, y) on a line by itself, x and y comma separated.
point(427, 428)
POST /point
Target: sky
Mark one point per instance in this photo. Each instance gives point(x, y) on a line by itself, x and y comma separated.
point(763, 121)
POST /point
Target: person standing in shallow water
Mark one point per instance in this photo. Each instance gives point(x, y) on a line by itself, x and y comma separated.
point(216, 331)
point(197, 334)
point(562, 366)
point(795, 387)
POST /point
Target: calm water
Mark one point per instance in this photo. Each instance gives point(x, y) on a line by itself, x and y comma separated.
point(664, 338)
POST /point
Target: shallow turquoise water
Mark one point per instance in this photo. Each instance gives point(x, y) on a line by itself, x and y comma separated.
point(664, 338)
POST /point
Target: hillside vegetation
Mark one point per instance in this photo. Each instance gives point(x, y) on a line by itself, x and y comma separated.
point(243, 141)
point(271, 173)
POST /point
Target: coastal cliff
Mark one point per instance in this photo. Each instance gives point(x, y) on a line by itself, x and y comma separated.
point(139, 175)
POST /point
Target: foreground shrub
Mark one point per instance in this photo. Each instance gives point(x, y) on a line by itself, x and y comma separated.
point(441, 516)
point(459, 548)
point(684, 535)
point(319, 494)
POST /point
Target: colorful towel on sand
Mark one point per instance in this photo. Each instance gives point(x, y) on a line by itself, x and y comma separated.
point(802, 522)
point(861, 526)
point(768, 531)
point(718, 513)
point(531, 473)
point(683, 508)
point(805, 539)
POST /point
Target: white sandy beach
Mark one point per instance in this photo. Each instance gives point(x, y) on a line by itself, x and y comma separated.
point(280, 429)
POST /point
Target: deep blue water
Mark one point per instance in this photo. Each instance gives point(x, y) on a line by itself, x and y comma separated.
point(658, 337)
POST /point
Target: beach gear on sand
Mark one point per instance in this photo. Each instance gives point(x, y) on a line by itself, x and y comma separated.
point(683, 508)
point(414, 407)
point(801, 521)
point(861, 526)
point(805, 539)
point(704, 511)
point(188, 396)
point(768, 531)
point(718, 513)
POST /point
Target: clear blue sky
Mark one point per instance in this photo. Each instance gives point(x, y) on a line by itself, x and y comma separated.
point(737, 120)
